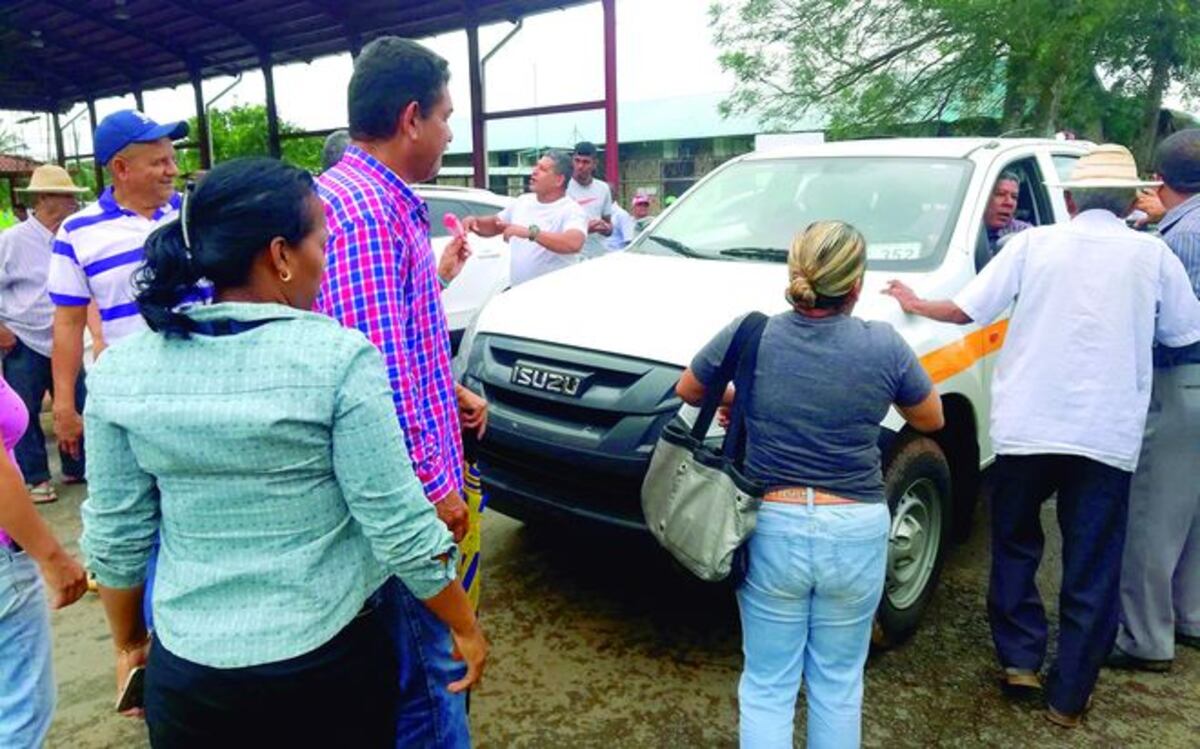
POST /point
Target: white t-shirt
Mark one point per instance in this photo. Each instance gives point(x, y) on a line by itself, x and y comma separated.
point(596, 201)
point(1074, 373)
point(530, 259)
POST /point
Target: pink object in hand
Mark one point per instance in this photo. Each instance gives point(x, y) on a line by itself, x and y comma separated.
point(453, 225)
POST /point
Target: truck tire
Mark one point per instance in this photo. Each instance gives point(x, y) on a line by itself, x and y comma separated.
point(918, 489)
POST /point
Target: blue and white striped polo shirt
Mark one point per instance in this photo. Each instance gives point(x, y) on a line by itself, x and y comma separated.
point(95, 255)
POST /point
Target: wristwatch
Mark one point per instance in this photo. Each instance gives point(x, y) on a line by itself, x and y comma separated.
point(533, 232)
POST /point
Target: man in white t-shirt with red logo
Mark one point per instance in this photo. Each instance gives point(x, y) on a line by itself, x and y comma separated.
point(545, 229)
point(594, 196)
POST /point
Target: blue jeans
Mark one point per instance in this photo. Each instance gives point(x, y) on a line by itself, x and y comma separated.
point(26, 678)
point(815, 579)
point(427, 714)
point(28, 373)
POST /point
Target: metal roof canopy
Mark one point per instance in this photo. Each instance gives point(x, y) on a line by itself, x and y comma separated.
point(56, 53)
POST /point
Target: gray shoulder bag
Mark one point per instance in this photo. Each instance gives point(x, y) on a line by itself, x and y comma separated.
point(696, 500)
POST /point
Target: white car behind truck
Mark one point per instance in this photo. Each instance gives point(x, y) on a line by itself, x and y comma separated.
point(487, 272)
point(580, 365)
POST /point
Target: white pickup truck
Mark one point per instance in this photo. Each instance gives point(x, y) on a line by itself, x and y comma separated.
point(580, 365)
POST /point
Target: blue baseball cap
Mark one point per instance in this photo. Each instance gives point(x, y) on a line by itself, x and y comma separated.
point(120, 129)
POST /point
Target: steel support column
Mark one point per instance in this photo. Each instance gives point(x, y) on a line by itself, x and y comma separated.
point(60, 153)
point(201, 134)
point(138, 100)
point(272, 110)
point(479, 156)
point(96, 165)
point(612, 172)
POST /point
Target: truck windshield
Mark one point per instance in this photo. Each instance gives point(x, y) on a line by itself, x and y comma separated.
point(751, 210)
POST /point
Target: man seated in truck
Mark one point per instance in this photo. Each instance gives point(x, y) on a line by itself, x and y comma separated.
point(1000, 218)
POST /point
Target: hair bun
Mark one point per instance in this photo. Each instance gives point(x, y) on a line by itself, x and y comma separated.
point(801, 294)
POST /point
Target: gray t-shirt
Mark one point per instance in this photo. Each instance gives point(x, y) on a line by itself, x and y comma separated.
point(821, 388)
point(596, 201)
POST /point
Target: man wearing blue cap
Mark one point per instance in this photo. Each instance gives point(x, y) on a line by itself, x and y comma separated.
point(98, 249)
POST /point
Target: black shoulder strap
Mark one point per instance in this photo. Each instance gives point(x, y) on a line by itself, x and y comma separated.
point(225, 326)
point(734, 446)
point(749, 330)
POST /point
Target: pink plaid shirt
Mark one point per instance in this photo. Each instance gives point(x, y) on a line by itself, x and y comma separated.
point(381, 278)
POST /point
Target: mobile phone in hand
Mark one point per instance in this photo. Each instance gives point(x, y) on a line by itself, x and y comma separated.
point(133, 693)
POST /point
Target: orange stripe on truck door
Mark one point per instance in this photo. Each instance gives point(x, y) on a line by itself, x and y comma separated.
point(953, 358)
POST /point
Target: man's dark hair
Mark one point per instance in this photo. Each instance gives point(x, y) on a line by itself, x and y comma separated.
point(562, 166)
point(389, 74)
point(1178, 160)
point(585, 148)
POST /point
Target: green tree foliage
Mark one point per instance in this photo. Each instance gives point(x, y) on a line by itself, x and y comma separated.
point(10, 143)
point(1098, 67)
point(242, 131)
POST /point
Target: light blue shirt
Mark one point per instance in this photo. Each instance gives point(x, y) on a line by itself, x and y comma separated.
point(272, 465)
point(25, 307)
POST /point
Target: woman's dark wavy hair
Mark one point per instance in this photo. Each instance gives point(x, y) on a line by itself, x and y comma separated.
point(232, 216)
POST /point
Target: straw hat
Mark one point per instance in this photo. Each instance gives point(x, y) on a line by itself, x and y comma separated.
point(1106, 165)
point(50, 178)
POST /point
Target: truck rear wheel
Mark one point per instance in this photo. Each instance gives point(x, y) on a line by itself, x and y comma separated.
point(918, 489)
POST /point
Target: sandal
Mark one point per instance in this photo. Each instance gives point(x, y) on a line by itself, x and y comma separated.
point(73, 480)
point(1067, 720)
point(1020, 682)
point(43, 493)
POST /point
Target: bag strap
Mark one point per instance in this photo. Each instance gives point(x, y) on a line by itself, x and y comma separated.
point(225, 326)
point(734, 447)
point(749, 330)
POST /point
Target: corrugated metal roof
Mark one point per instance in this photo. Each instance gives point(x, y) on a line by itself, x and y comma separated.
point(57, 53)
point(669, 118)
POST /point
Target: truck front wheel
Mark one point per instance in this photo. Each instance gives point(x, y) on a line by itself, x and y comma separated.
point(918, 490)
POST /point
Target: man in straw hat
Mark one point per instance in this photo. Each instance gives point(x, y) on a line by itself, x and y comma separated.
point(27, 318)
point(1160, 574)
point(1069, 400)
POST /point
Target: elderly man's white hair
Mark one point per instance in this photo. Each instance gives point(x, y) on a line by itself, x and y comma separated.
point(1116, 200)
point(334, 148)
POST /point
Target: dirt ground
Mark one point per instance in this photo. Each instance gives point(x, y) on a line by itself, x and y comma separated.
point(598, 642)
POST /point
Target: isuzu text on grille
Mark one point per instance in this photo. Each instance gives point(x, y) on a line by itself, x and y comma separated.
point(549, 380)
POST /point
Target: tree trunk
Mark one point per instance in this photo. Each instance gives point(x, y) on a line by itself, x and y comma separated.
point(1045, 115)
point(1015, 73)
point(1160, 78)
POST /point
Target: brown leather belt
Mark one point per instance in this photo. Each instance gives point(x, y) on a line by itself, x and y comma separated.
point(800, 495)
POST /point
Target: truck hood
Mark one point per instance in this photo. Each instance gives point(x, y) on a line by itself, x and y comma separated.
point(662, 309)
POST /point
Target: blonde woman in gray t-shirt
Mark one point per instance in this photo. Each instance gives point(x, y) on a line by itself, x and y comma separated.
point(818, 554)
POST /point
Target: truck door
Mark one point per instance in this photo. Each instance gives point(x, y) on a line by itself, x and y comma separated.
point(1060, 164)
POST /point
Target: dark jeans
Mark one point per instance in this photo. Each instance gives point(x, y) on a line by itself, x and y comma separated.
point(1092, 507)
point(28, 373)
point(341, 694)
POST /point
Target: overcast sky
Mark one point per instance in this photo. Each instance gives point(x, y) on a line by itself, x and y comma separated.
point(664, 48)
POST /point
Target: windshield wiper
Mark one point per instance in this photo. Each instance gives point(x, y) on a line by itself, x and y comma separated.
point(757, 253)
point(676, 245)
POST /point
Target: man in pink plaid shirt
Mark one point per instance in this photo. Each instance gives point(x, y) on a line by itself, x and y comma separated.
point(382, 279)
